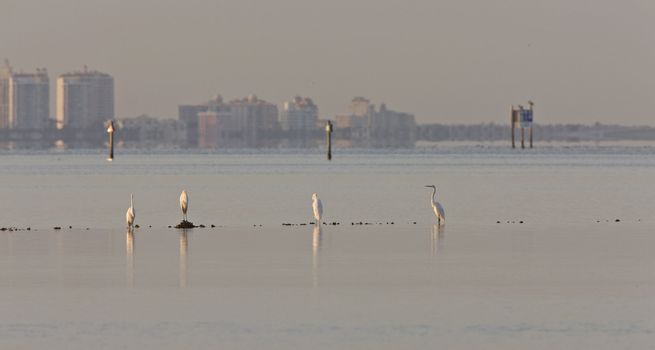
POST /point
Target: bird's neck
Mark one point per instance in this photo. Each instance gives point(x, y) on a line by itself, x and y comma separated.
point(434, 193)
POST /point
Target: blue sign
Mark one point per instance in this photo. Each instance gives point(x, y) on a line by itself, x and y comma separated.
point(526, 118)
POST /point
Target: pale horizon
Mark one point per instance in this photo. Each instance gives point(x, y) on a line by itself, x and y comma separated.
point(445, 62)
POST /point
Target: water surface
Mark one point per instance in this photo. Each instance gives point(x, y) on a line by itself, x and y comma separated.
point(569, 276)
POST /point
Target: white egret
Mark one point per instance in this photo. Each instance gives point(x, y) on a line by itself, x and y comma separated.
point(131, 214)
point(184, 203)
point(436, 206)
point(318, 208)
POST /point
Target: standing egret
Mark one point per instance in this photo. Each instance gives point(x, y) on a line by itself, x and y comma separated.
point(130, 215)
point(318, 208)
point(436, 206)
point(184, 204)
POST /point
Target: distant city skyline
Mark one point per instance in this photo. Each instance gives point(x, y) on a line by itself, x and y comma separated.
point(445, 62)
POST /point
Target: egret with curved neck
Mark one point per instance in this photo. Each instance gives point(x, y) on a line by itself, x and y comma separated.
point(436, 206)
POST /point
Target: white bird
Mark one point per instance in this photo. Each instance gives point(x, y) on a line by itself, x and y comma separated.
point(131, 214)
point(436, 206)
point(318, 208)
point(184, 204)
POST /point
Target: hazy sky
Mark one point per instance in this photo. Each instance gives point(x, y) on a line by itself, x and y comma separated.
point(443, 60)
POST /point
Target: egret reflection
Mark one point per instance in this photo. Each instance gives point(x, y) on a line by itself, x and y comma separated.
point(184, 250)
point(60, 258)
point(436, 241)
point(129, 257)
point(316, 247)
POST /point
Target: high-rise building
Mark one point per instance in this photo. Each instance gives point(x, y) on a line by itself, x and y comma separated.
point(356, 121)
point(219, 127)
point(238, 123)
point(189, 115)
point(299, 115)
point(207, 129)
point(368, 127)
point(5, 76)
point(84, 99)
point(257, 117)
point(389, 128)
point(360, 107)
point(27, 100)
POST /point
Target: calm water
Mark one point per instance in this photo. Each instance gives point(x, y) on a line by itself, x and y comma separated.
point(569, 276)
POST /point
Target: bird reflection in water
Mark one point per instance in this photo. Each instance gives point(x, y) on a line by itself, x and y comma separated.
point(316, 247)
point(184, 250)
point(436, 241)
point(129, 256)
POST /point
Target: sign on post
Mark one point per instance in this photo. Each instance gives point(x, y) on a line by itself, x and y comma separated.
point(526, 118)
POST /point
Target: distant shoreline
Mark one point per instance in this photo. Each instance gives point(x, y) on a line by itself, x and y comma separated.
point(422, 147)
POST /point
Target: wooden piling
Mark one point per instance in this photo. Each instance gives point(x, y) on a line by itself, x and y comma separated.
point(531, 113)
point(328, 136)
point(110, 131)
point(514, 120)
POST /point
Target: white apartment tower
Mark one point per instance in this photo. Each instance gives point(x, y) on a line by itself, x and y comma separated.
point(84, 99)
point(24, 99)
